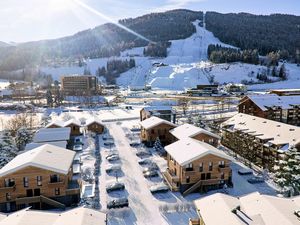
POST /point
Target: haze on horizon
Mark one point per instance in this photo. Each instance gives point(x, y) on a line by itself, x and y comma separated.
point(31, 20)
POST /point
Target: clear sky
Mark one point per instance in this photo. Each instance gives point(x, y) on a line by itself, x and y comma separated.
point(27, 20)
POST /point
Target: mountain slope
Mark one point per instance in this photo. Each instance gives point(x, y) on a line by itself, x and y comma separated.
point(3, 44)
point(103, 41)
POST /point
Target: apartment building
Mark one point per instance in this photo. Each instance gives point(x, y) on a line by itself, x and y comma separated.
point(285, 109)
point(259, 140)
point(163, 112)
point(197, 133)
point(285, 92)
point(41, 178)
point(79, 85)
point(153, 128)
point(253, 208)
point(195, 166)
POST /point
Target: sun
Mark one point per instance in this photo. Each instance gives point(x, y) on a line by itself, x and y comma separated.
point(59, 5)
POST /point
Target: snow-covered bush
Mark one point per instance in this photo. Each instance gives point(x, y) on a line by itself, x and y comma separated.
point(23, 137)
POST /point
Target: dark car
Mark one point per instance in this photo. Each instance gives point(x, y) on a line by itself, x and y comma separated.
point(118, 203)
point(115, 187)
point(256, 180)
point(152, 173)
point(135, 144)
point(113, 168)
point(143, 154)
point(245, 172)
point(160, 188)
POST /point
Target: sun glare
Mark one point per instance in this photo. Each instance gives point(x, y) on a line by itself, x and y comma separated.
point(61, 4)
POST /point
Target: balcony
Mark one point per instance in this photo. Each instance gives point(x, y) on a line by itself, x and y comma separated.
point(171, 180)
point(8, 188)
point(73, 188)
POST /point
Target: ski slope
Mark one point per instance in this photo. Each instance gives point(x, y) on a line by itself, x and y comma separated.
point(185, 66)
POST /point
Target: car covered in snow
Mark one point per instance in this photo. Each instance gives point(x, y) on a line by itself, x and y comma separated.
point(77, 147)
point(159, 188)
point(109, 143)
point(143, 153)
point(113, 168)
point(256, 180)
point(151, 173)
point(118, 203)
point(112, 153)
point(151, 167)
point(113, 158)
point(115, 187)
point(245, 172)
point(145, 161)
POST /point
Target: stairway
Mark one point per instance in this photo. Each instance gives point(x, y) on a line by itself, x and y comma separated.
point(52, 202)
point(192, 188)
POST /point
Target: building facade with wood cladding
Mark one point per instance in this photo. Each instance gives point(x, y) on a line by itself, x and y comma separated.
point(197, 133)
point(285, 109)
point(153, 128)
point(41, 178)
point(285, 92)
point(195, 166)
point(163, 112)
point(259, 140)
point(94, 125)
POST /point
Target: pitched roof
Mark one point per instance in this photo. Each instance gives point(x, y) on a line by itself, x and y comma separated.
point(188, 150)
point(52, 135)
point(188, 130)
point(93, 120)
point(58, 123)
point(155, 121)
point(33, 145)
point(254, 207)
point(72, 121)
point(48, 157)
point(217, 209)
point(275, 132)
point(76, 216)
point(271, 100)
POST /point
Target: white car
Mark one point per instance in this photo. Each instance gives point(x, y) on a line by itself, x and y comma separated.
point(77, 147)
point(159, 188)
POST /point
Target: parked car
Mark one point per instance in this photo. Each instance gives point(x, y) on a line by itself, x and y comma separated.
point(78, 140)
point(145, 161)
point(107, 137)
point(112, 154)
point(113, 168)
point(113, 158)
point(245, 172)
point(115, 187)
point(135, 144)
point(109, 143)
point(118, 203)
point(151, 167)
point(159, 188)
point(77, 147)
point(152, 173)
point(256, 180)
point(143, 154)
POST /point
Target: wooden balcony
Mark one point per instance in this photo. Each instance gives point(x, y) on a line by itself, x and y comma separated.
point(171, 180)
point(73, 188)
point(7, 189)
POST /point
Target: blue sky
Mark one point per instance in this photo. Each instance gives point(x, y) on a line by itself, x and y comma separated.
point(26, 20)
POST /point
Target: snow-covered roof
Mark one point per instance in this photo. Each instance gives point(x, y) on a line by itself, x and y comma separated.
point(48, 157)
point(52, 135)
point(155, 121)
point(272, 100)
point(254, 207)
point(72, 121)
point(216, 209)
point(76, 216)
point(58, 123)
point(32, 145)
point(188, 150)
point(278, 133)
point(157, 108)
point(188, 130)
point(93, 120)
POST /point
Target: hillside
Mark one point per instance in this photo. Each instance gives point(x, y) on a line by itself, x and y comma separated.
point(103, 41)
point(276, 32)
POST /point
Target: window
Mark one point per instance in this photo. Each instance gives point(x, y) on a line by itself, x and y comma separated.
point(222, 176)
point(152, 131)
point(54, 178)
point(202, 176)
point(208, 176)
point(187, 179)
point(210, 166)
point(189, 167)
point(25, 181)
point(201, 167)
point(9, 182)
point(57, 191)
point(221, 164)
point(39, 180)
point(8, 197)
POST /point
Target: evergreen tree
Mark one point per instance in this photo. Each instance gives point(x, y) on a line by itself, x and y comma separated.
point(158, 146)
point(7, 148)
point(287, 173)
point(282, 72)
point(49, 98)
point(23, 136)
point(87, 71)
